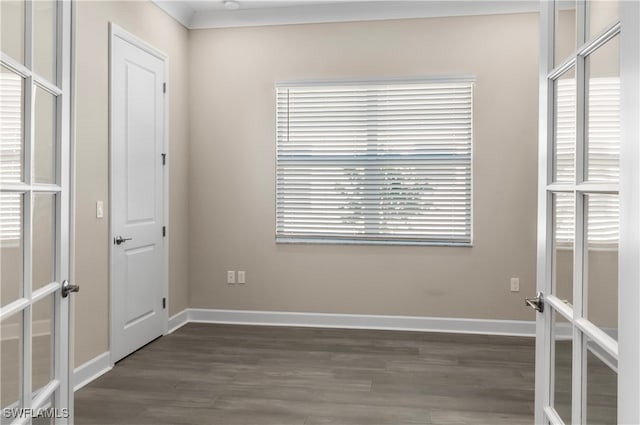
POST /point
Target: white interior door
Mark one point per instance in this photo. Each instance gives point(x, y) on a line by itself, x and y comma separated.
point(587, 236)
point(137, 186)
point(35, 124)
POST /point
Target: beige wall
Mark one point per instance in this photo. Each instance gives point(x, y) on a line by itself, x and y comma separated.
point(148, 22)
point(232, 160)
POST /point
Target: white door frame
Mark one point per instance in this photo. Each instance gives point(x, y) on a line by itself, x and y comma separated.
point(117, 31)
point(627, 347)
point(629, 295)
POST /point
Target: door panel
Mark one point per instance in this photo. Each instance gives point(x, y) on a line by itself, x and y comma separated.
point(12, 29)
point(42, 343)
point(562, 367)
point(564, 218)
point(565, 22)
point(44, 170)
point(142, 147)
point(10, 360)
point(564, 146)
point(602, 388)
point(44, 239)
point(602, 14)
point(579, 213)
point(35, 146)
point(138, 285)
point(11, 248)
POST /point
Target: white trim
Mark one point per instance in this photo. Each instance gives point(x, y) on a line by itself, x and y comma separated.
point(178, 320)
point(178, 10)
point(354, 321)
point(629, 266)
point(91, 370)
point(338, 12)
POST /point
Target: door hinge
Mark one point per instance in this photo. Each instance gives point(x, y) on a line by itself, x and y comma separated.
point(164, 303)
point(164, 158)
point(164, 87)
point(164, 231)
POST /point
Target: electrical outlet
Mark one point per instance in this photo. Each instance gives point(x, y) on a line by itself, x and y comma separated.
point(242, 277)
point(231, 277)
point(515, 284)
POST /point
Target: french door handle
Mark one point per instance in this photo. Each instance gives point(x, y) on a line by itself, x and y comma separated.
point(119, 240)
point(536, 303)
point(68, 288)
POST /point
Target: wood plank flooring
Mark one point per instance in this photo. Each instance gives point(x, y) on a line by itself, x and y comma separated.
point(254, 375)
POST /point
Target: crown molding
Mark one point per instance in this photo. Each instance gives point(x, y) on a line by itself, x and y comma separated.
point(178, 10)
point(340, 12)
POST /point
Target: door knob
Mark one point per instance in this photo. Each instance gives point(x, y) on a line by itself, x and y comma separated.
point(536, 303)
point(68, 288)
point(119, 239)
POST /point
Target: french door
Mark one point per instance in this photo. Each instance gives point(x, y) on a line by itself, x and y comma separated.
point(35, 90)
point(587, 357)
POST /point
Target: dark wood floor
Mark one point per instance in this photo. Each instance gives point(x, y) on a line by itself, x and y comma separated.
point(225, 374)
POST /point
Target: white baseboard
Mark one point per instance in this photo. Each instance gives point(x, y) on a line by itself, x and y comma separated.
point(178, 320)
point(91, 370)
point(355, 321)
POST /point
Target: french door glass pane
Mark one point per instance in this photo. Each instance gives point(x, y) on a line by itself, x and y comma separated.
point(45, 417)
point(603, 113)
point(602, 387)
point(12, 28)
point(564, 219)
point(564, 140)
point(42, 343)
point(562, 367)
point(44, 225)
point(602, 14)
point(44, 39)
point(45, 137)
point(602, 223)
point(11, 247)
point(565, 39)
point(11, 126)
point(10, 360)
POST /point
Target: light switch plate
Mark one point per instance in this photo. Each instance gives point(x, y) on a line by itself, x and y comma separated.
point(99, 209)
point(515, 284)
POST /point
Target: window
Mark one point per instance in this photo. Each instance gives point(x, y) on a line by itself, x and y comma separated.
point(384, 162)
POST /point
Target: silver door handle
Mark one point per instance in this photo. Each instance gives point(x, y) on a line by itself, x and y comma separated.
point(119, 239)
point(68, 288)
point(536, 303)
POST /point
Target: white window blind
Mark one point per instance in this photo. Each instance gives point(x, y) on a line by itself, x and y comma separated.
point(10, 153)
point(602, 161)
point(388, 162)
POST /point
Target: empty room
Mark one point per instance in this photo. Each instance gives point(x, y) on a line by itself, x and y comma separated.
point(310, 212)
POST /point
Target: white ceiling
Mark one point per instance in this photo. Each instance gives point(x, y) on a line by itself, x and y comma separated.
point(213, 13)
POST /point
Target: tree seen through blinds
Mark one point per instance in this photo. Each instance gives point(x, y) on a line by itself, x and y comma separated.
point(374, 162)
